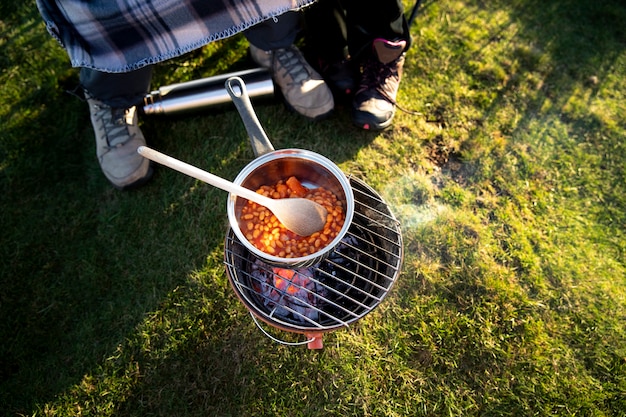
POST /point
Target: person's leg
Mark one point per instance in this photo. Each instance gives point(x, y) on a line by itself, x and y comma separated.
point(327, 45)
point(120, 90)
point(367, 20)
point(272, 47)
point(325, 30)
point(378, 35)
point(112, 100)
point(274, 34)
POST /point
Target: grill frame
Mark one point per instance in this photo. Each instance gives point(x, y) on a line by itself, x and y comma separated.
point(357, 275)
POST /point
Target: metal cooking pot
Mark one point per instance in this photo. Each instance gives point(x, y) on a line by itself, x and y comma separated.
point(312, 170)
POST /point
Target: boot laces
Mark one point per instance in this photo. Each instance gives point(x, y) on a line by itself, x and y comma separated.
point(384, 79)
point(114, 122)
point(293, 63)
point(376, 77)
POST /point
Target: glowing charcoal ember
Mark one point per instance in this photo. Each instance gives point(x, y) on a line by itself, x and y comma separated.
point(297, 282)
point(287, 280)
point(293, 293)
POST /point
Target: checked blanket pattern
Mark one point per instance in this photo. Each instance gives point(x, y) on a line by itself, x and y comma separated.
point(123, 35)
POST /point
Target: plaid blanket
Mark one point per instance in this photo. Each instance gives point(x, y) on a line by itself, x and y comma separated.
point(122, 35)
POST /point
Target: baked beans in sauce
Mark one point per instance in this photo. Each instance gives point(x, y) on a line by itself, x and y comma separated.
point(267, 234)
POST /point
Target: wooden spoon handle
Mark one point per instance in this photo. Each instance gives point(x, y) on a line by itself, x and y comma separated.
point(201, 175)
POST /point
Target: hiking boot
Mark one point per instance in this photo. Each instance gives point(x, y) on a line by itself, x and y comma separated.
point(374, 103)
point(304, 88)
point(117, 140)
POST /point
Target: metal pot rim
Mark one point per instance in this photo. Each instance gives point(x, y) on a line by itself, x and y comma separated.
point(311, 157)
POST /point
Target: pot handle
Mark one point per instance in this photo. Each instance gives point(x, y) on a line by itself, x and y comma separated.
point(258, 139)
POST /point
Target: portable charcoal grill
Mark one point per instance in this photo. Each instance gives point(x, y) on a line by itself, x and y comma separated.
point(341, 289)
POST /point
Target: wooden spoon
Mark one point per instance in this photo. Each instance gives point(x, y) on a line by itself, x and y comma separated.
point(301, 216)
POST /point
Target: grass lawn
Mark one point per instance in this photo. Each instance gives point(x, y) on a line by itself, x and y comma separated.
point(510, 188)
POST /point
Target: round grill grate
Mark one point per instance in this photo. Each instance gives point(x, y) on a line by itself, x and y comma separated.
point(348, 284)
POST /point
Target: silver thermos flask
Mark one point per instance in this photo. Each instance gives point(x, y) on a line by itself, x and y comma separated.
point(205, 92)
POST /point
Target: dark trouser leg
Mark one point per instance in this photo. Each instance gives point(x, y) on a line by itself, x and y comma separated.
point(333, 23)
point(272, 34)
point(371, 19)
point(326, 32)
point(119, 90)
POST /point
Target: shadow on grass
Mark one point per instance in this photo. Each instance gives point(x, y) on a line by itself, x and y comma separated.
point(83, 264)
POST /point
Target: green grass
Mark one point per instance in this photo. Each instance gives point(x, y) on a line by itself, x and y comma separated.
point(510, 188)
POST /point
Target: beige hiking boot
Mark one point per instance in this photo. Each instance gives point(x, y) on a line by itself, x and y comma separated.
point(117, 138)
point(304, 88)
